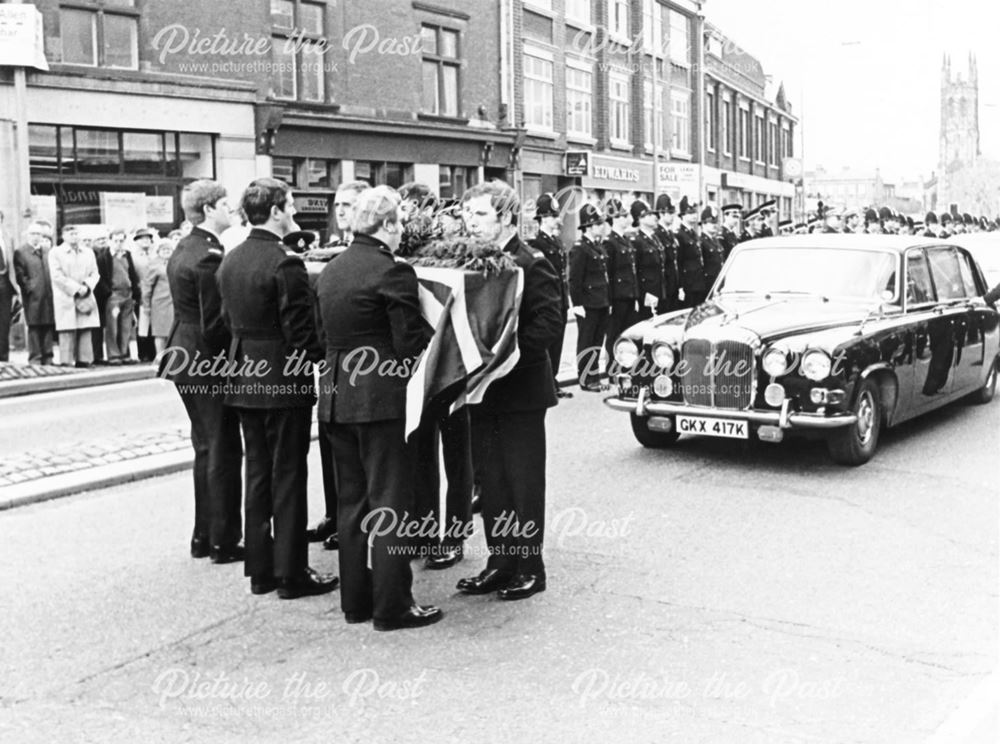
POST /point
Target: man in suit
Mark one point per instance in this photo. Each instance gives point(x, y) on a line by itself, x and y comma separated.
point(547, 241)
point(8, 291)
point(508, 427)
point(374, 334)
point(199, 332)
point(126, 294)
point(102, 292)
point(267, 306)
point(588, 290)
point(31, 267)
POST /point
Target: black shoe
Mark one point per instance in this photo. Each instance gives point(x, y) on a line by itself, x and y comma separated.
point(309, 584)
point(443, 557)
point(262, 584)
point(323, 530)
point(415, 617)
point(353, 618)
point(84, 365)
point(523, 586)
point(332, 542)
point(560, 393)
point(227, 553)
point(200, 547)
point(477, 501)
point(593, 387)
point(488, 581)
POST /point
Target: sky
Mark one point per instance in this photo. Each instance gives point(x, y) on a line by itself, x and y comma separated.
point(865, 75)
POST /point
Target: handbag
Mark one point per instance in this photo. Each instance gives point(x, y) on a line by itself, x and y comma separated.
point(85, 305)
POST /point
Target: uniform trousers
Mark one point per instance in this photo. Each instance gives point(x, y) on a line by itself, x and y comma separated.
point(6, 301)
point(218, 460)
point(590, 332)
point(277, 449)
point(374, 476)
point(555, 351)
point(623, 315)
point(512, 446)
point(451, 433)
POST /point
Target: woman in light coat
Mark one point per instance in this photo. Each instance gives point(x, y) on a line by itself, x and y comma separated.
point(73, 269)
point(157, 304)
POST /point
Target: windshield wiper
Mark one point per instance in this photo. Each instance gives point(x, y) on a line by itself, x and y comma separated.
point(796, 292)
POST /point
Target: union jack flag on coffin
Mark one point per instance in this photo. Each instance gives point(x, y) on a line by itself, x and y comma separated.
point(474, 316)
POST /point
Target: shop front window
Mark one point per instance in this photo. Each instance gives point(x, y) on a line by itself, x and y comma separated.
point(454, 180)
point(97, 151)
point(196, 156)
point(43, 148)
point(380, 173)
point(143, 153)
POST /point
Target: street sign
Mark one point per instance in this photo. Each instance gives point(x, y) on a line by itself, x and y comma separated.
point(21, 38)
point(577, 163)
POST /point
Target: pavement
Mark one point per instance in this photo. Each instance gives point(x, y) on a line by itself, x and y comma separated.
point(76, 465)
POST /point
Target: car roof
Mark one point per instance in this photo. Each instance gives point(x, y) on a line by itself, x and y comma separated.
point(895, 243)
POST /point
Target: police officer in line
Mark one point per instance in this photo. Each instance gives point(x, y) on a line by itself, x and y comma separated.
point(666, 234)
point(622, 282)
point(888, 221)
point(832, 221)
point(713, 255)
point(199, 329)
point(853, 224)
point(689, 257)
point(588, 291)
point(268, 306)
point(753, 222)
point(766, 211)
point(873, 225)
point(547, 241)
point(649, 259)
point(729, 235)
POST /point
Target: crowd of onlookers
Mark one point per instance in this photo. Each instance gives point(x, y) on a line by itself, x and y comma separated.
point(95, 297)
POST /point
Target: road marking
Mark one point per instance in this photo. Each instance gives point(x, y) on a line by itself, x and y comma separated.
point(964, 721)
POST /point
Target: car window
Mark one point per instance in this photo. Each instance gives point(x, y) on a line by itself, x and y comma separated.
point(918, 279)
point(968, 278)
point(947, 274)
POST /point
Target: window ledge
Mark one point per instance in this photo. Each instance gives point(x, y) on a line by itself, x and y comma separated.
point(539, 9)
point(543, 133)
point(442, 119)
point(581, 139)
point(621, 145)
point(580, 24)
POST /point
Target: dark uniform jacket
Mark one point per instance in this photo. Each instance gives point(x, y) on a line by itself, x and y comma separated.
point(649, 265)
point(588, 275)
point(31, 269)
point(198, 327)
point(729, 240)
point(552, 249)
point(267, 306)
point(370, 313)
point(671, 271)
point(766, 231)
point(712, 256)
point(690, 261)
point(622, 281)
point(530, 385)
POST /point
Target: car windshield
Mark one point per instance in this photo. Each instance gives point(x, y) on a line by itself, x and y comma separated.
point(827, 272)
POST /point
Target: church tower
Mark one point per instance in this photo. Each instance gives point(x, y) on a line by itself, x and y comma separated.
point(959, 137)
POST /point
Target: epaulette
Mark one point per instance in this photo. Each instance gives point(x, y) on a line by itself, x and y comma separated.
point(534, 252)
point(216, 251)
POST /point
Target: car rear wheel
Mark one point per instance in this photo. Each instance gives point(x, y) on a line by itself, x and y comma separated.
point(856, 444)
point(649, 438)
point(985, 394)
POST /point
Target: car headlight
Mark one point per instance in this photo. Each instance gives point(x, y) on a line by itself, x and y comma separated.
point(663, 356)
point(775, 362)
point(816, 365)
point(626, 353)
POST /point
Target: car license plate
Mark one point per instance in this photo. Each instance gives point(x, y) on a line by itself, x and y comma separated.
point(712, 427)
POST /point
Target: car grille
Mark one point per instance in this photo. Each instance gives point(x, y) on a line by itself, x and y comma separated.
point(712, 378)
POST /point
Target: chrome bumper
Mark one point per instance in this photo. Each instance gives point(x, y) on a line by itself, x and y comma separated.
point(784, 419)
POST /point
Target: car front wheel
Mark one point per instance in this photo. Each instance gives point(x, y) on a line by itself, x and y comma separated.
point(855, 444)
point(649, 438)
point(985, 394)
